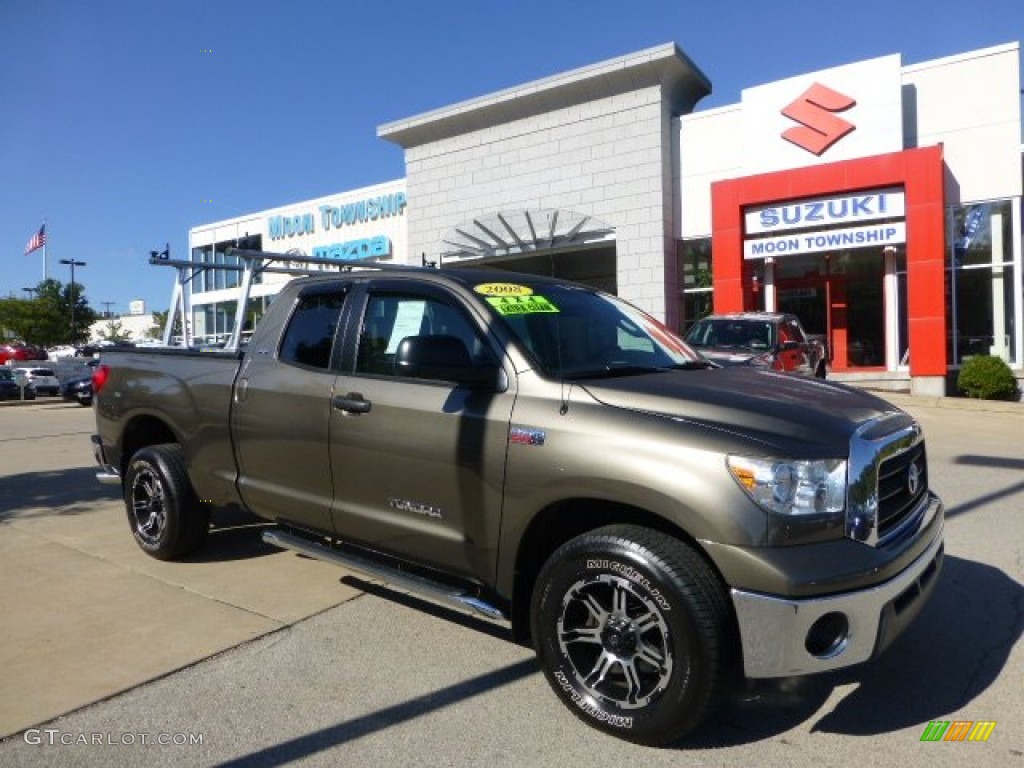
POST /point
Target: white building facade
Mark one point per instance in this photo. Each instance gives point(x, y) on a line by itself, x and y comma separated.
point(362, 224)
point(879, 201)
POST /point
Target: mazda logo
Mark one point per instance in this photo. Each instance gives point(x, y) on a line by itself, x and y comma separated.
point(913, 479)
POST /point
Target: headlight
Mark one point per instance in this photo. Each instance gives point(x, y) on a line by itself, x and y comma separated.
point(789, 487)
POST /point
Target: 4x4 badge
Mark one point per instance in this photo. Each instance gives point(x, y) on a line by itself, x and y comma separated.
point(526, 436)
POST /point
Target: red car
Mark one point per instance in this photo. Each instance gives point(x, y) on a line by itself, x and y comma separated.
point(19, 351)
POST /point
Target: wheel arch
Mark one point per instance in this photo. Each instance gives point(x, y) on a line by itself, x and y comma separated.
point(140, 432)
point(564, 520)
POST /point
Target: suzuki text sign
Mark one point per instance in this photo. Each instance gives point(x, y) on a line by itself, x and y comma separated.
point(836, 114)
point(824, 224)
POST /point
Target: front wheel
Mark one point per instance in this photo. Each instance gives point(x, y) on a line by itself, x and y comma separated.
point(166, 518)
point(633, 631)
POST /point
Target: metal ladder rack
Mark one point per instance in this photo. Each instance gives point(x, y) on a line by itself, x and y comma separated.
point(253, 263)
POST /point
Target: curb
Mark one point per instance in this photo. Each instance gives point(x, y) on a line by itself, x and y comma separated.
point(952, 403)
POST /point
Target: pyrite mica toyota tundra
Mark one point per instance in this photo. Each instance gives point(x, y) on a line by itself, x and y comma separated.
point(545, 454)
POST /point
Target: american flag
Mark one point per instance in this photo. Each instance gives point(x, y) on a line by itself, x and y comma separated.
point(38, 240)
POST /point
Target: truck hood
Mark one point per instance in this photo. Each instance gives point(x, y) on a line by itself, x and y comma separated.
point(794, 414)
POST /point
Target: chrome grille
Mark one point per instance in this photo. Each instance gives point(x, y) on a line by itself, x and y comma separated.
point(902, 481)
point(888, 480)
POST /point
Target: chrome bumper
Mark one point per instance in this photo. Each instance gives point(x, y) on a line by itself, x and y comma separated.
point(775, 631)
point(108, 474)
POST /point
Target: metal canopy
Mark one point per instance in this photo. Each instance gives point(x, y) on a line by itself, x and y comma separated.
point(509, 233)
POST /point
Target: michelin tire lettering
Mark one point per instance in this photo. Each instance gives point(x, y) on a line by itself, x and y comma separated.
point(589, 709)
point(633, 575)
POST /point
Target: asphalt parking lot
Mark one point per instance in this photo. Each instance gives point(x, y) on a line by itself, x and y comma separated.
point(247, 655)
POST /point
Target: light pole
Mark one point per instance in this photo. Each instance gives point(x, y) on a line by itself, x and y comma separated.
point(72, 263)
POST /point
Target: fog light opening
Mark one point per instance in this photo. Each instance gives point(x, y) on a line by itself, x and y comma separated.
point(828, 636)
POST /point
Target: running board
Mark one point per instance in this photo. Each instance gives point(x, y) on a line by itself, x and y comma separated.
point(433, 591)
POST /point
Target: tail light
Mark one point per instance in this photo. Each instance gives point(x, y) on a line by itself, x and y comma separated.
point(99, 378)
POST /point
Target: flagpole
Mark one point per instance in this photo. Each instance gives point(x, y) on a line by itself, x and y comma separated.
point(45, 238)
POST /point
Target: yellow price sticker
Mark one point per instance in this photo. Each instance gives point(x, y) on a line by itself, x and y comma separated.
point(503, 289)
point(521, 305)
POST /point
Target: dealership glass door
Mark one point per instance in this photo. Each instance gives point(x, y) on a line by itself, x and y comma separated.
point(838, 295)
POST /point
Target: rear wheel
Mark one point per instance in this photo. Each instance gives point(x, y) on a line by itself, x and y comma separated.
point(633, 631)
point(166, 518)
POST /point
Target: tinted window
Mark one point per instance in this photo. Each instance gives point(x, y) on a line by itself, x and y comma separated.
point(309, 337)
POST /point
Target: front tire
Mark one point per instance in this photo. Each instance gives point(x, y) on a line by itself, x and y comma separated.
point(634, 633)
point(165, 516)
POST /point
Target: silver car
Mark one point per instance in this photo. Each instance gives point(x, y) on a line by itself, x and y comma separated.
point(43, 379)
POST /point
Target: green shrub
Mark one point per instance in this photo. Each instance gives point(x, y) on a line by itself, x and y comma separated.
point(987, 377)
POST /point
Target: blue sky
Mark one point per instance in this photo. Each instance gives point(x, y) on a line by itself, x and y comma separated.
point(123, 123)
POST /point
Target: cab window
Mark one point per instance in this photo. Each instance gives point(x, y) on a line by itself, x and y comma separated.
point(310, 336)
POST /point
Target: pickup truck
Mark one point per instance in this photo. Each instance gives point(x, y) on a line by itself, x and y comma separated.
point(773, 340)
point(546, 455)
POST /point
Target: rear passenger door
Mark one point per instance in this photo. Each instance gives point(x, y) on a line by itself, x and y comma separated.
point(418, 464)
point(282, 413)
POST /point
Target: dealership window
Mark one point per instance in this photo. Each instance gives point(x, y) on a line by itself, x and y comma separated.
point(216, 255)
point(983, 282)
point(218, 322)
point(693, 258)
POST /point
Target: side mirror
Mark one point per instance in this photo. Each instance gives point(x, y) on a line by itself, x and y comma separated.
point(442, 358)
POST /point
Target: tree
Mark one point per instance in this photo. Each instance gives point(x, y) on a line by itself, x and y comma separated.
point(46, 319)
point(36, 321)
point(160, 322)
point(114, 331)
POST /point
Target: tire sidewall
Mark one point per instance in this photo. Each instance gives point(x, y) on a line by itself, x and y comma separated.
point(165, 464)
point(669, 711)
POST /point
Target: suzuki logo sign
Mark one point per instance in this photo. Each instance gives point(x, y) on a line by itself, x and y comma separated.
point(800, 122)
point(815, 109)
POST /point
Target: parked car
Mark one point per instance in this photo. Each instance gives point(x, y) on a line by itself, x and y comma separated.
point(11, 389)
point(78, 390)
point(43, 379)
point(18, 352)
point(773, 340)
point(58, 353)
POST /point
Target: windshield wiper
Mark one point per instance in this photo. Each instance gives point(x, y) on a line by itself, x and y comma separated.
point(627, 369)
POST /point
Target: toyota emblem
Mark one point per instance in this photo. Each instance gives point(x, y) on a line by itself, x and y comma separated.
point(913, 479)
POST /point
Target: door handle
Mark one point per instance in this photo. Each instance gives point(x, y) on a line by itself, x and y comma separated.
point(353, 402)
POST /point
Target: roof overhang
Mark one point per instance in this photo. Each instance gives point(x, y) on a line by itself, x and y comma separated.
point(666, 65)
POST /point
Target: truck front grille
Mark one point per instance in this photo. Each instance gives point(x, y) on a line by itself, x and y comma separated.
point(888, 480)
point(902, 481)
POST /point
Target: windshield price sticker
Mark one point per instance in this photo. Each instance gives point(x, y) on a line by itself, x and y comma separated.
point(503, 289)
point(521, 305)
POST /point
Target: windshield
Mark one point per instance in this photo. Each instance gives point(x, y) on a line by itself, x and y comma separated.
point(577, 332)
point(732, 333)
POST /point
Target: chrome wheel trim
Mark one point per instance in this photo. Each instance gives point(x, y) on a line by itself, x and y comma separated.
point(616, 641)
point(147, 500)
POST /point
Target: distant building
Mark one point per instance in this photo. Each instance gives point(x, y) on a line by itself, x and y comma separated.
point(136, 326)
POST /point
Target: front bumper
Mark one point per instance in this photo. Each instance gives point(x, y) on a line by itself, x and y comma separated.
point(783, 637)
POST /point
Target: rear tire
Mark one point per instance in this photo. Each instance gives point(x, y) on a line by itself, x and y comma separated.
point(634, 632)
point(164, 513)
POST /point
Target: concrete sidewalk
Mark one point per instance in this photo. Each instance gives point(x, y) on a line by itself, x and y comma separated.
point(86, 614)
